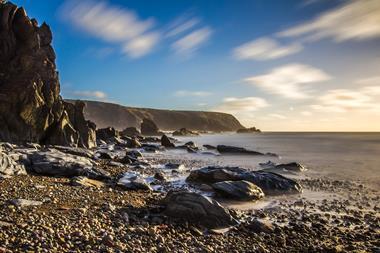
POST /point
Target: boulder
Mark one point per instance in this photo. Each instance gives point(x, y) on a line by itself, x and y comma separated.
point(294, 167)
point(31, 109)
point(197, 209)
point(148, 127)
point(133, 181)
point(223, 149)
point(270, 183)
point(9, 167)
point(166, 142)
point(130, 131)
point(106, 134)
point(52, 162)
point(238, 190)
point(184, 132)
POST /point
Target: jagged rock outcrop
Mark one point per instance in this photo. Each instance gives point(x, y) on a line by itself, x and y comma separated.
point(184, 132)
point(148, 127)
point(31, 109)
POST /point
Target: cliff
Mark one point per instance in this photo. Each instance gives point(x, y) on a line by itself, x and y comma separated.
point(120, 117)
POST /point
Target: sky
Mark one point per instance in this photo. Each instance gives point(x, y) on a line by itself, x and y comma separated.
point(306, 65)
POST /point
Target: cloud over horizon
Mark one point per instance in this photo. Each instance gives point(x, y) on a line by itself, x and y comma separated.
point(244, 104)
point(289, 80)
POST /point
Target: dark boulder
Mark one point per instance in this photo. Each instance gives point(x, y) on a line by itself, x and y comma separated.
point(184, 132)
point(130, 131)
point(238, 190)
point(106, 134)
point(224, 149)
point(197, 209)
point(148, 127)
point(166, 142)
point(270, 183)
point(31, 109)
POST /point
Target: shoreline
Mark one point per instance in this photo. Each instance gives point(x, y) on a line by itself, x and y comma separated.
point(110, 219)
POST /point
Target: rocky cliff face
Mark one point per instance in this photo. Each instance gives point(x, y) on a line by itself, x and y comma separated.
point(31, 109)
point(120, 117)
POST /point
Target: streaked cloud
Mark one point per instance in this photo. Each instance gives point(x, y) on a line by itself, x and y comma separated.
point(347, 100)
point(181, 25)
point(265, 49)
point(187, 93)
point(88, 94)
point(354, 20)
point(289, 80)
point(191, 42)
point(112, 24)
point(306, 113)
point(277, 116)
point(241, 105)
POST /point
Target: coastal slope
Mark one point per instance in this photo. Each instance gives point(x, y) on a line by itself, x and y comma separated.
point(108, 114)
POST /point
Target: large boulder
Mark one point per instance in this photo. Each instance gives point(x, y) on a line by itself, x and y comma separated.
point(197, 209)
point(238, 190)
point(130, 131)
point(223, 149)
point(166, 142)
point(31, 109)
point(51, 162)
point(149, 128)
point(270, 183)
point(106, 134)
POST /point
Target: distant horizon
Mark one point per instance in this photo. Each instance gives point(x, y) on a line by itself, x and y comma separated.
point(295, 65)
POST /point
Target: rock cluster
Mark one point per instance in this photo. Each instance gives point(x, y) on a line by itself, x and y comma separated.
point(31, 109)
point(184, 132)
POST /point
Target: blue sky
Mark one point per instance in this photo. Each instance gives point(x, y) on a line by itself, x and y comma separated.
point(280, 65)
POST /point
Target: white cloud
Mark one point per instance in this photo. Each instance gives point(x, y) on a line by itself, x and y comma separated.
point(355, 20)
point(289, 80)
point(265, 49)
point(112, 24)
point(190, 43)
point(182, 25)
point(344, 100)
point(141, 45)
point(186, 93)
point(89, 94)
point(239, 105)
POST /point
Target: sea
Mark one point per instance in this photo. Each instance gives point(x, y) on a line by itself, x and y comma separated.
point(341, 156)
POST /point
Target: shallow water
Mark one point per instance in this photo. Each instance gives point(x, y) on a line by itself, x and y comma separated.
point(354, 156)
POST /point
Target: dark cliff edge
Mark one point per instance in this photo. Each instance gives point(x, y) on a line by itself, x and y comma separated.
point(108, 114)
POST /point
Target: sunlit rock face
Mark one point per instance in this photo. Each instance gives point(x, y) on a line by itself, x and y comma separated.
point(31, 109)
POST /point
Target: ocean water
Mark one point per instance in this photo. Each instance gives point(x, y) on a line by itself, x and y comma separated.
point(353, 156)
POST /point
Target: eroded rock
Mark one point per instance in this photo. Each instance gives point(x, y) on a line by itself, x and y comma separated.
point(270, 183)
point(238, 190)
point(197, 209)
